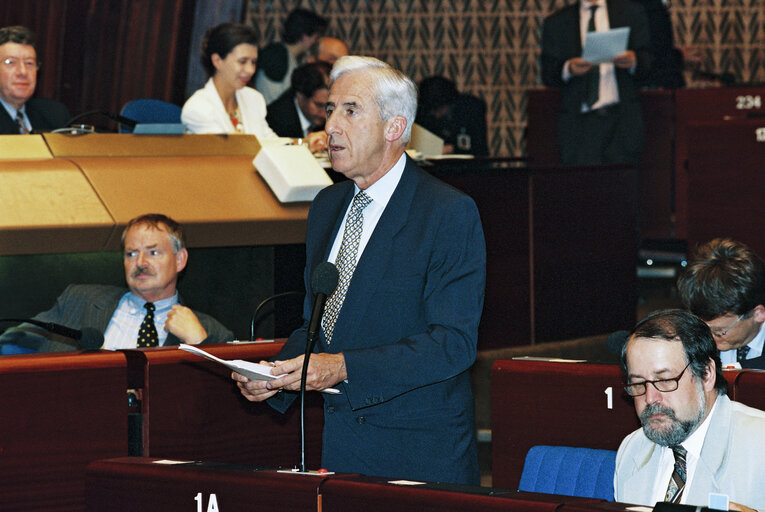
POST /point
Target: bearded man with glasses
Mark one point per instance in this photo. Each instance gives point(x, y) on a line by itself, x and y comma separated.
point(20, 113)
point(724, 285)
point(695, 440)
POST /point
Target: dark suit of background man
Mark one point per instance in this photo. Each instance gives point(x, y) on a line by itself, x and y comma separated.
point(406, 332)
point(20, 113)
point(301, 109)
point(610, 129)
point(459, 119)
point(724, 285)
point(153, 255)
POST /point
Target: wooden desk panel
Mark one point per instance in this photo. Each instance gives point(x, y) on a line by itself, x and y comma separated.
point(560, 404)
point(726, 182)
point(655, 190)
point(502, 197)
point(192, 410)
point(561, 248)
point(220, 200)
point(584, 251)
point(64, 145)
point(60, 412)
point(132, 484)
point(48, 206)
point(701, 105)
point(748, 388)
point(23, 147)
point(376, 494)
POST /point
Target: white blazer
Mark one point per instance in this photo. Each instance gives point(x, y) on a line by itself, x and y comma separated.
point(732, 460)
point(204, 112)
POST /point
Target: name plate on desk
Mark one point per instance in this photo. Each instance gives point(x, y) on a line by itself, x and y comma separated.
point(292, 172)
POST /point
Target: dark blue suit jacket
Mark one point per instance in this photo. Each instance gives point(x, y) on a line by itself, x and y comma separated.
point(44, 114)
point(408, 330)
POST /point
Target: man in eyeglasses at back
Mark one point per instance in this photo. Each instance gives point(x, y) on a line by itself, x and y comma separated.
point(695, 440)
point(20, 113)
point(724, 285)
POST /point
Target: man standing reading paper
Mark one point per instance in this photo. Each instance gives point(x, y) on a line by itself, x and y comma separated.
point(600, 117)
point(400, 332)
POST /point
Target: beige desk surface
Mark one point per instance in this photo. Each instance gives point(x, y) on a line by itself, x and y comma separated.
point(23, 147)
point(123, 144)
point(221, 201)
point(49, 206)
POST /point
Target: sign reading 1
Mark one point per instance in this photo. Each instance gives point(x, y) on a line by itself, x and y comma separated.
point(609, 397)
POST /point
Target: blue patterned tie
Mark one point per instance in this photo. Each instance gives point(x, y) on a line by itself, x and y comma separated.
point(677, 482)
point(147, 333)
point(345, 261)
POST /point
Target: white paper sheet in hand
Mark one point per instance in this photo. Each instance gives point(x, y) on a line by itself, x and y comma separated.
point(605, 45)
point(254, 371)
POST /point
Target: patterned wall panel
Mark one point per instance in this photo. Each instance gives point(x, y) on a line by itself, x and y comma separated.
point(490, 48)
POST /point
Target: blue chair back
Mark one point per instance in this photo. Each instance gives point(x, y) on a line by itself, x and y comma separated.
point(147, 110)
point(569, 471)
point(8, 349)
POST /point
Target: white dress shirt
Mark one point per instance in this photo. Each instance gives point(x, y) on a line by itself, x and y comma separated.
point(608, 91)
point(755, 349)
point(380, 193)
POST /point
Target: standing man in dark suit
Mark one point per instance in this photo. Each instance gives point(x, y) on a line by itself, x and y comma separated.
point(724, 285)
point(301, 110)
point(154, 254)
point(400, 332)
point(600, 119)
point(20, 113)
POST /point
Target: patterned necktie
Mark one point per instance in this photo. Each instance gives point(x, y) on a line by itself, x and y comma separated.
point(677, 481)
point(346, 261)
point(147, 333)
point(741, 353)
point(20, 121)
point(593, 75)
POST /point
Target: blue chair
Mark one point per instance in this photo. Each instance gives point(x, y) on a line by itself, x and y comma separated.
point(147, 110)
point(584, 472)
point(8, 349)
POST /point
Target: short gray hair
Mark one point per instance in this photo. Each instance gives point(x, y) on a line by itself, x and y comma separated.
point(395, 93)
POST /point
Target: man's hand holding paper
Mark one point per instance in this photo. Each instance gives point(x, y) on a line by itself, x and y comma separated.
point(606, 45)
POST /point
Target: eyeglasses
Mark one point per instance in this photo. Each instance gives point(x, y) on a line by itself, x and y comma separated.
point(12, 62)
point(663, 385)
point(720, 334)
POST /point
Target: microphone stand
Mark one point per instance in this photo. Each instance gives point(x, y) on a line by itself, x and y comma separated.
point(313, 334)
point(324, 281)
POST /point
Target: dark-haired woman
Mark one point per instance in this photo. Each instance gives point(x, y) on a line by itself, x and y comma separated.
point(225, 104)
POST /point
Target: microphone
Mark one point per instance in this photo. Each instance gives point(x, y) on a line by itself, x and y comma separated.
point(91, 339)
point(616, 341)
point(88, 338)
point(266, 301)
point(114, 117)
point(323, 283)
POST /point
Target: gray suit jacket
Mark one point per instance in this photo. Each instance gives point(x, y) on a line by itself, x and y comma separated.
point(732, 460)
point(90, 305)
